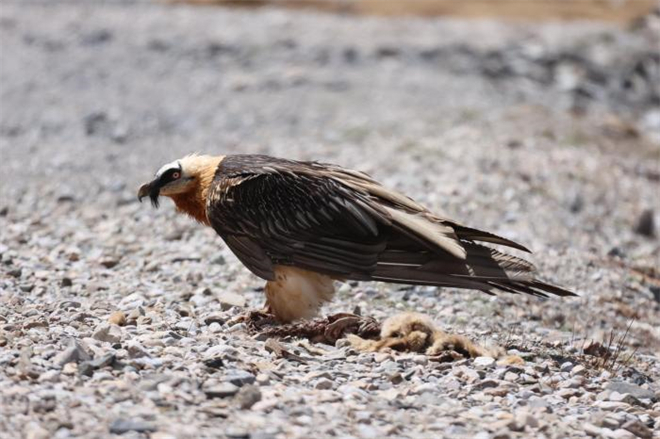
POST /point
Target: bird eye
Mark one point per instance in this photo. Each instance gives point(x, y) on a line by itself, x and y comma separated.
point(176, 175)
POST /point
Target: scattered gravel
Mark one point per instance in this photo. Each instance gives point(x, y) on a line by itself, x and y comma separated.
point(116, 319)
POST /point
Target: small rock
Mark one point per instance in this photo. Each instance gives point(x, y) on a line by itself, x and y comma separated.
point(611, 406)
point(620, 433)
point(136, 350)
point(573, 383)
point(263, 379)
point(36, 431)
point(215, 327)
point(70, 304)
point(396, 378)
point(35, 322)
point(484, 362)
point(425, 388)
point(109, 262)
point(420, 359)
point(222, 390)
point(610, 422)
point(248, 396)
point(108, 333)
point(579, 370)
point(567, 393)
point(87, 368)
point(566, 367)
point(229, 300)
point(117, 318)
point(50, 376)
point(121, 426)
point(655, 290)
point(66, 282)
point(645, 225)
point(239, 377)
point(215, 362)
point(592, 430)
point(70, 369)
point(236, 433)
point(576, 203)
point(323, 384)
point(218, 318)
point(497, 391)
point(486, 384)
point(638, 429)
point(632, 389)
point(527, 420)
point(75, 353)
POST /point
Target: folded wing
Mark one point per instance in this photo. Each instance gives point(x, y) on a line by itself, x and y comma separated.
point(344, 224)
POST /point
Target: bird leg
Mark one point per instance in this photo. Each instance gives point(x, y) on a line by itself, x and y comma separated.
point(297, 294)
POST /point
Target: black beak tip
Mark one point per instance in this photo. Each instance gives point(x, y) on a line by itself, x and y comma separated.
point(149, 190)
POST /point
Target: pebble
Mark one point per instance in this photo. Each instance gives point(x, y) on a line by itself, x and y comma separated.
point(136, 350)
point(50, 376)
point(36, 431)
point(645, 224)
point(108, 333)
point(239, 377)
point(222, 390)
point(248, 396)
point(215, 327)
point(263, 379)
point(638, 429)
point(229, 300)
point(73, 354)
point(323, 384)
point(117, 318)
point(121, 426)
point(631, 389)
point(612, 405)
point(578, 370)
point(566, 367)
point(484, 361)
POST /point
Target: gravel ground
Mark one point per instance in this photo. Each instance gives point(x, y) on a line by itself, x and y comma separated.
point(115, 318)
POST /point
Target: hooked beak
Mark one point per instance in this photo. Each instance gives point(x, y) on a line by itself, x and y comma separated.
point(152, 190)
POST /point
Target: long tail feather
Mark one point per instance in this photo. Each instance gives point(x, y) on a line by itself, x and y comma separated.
point(484, 269)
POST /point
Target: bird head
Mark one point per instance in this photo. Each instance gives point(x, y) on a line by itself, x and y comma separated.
point(181, 177)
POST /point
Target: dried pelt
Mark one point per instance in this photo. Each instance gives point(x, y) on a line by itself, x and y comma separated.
point(413, 332)
point(323, 330)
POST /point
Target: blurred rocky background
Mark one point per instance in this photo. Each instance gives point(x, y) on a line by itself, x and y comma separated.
point(537, 120)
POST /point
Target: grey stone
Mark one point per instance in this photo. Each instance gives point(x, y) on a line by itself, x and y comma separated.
point(121, 426)
point(323, 384)
point(222, 390)
point(75, 353)
point(484, 361)
point(248, 396)
point(631, 389)
point(108, 333)
point(229, 300)
point(88, 367)
point(239, 377)
point(645, 224)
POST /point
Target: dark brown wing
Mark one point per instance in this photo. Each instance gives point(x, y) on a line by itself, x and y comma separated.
point(342, 223)
point(273, 211)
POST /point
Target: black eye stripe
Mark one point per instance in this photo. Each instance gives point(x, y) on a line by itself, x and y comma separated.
point(169, 175)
